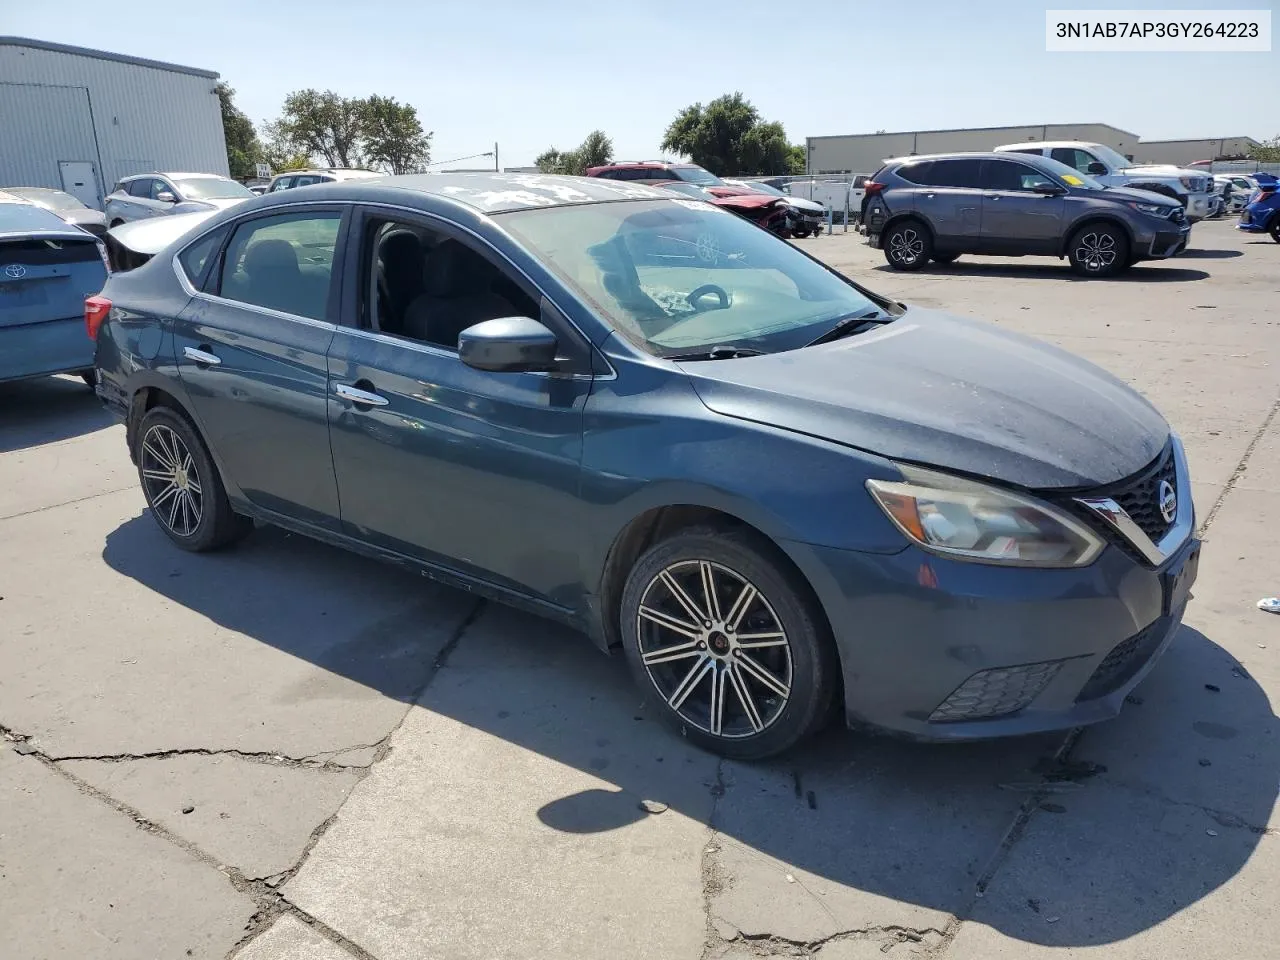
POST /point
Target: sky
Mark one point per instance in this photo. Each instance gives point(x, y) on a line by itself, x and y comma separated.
point(539, 73)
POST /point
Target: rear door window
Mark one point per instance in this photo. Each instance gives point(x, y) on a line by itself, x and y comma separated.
point(282, 263)
point(954, 173)
point(140, 187)
point(916, 172)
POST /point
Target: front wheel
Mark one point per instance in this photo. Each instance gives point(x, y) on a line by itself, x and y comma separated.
point(729, 641)
point(1275, 228)
point(182, 486)
point(907, 246)
point(1098, 250)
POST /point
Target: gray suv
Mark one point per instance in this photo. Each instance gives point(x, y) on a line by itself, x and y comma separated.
point(937, 207)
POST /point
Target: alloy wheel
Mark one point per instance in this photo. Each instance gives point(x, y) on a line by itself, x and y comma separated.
point(714, 649)
point(171, 481)
point(906, 246)
point(1096, 251)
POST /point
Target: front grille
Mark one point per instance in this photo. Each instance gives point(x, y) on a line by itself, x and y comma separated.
point(1125, 659)
point(1139, 497)
point(995, 693)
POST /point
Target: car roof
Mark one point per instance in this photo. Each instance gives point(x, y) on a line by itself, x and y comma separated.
point(23, 218)
point(485, 192)
point(1049, 144)
point(342, 173)
point(984, 155)
point(175, 176)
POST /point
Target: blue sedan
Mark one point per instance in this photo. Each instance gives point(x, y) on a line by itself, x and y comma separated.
point(774, 490)
point(47, 268)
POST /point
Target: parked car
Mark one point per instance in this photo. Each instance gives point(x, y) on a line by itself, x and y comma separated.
point(306, 178)
point(162, 194)
point(66, 206)
point(652, 171)
point(1262, 213)
point(1191, 188)
point(807, 217)
point(939, 207)
point(772, 213)
point(1242, 189)
point(47, 269)
point(130, 245)
point(769, 486)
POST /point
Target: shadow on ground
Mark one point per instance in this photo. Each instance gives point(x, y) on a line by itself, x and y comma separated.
point(849, 813)
point(47, 410)
point(1141, 273)
point(1196, 254)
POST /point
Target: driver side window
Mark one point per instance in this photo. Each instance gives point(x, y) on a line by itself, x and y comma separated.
point(420, 284)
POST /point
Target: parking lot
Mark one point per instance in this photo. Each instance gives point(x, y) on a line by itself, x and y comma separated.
point(287, 751)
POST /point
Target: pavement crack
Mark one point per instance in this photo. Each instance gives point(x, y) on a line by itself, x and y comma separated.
point(269, 757)
point(774, 945)
point(66, 503)
point(1238, 472)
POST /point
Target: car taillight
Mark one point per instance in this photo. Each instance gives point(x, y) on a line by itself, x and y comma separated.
point(872, 187)
point(95, 311)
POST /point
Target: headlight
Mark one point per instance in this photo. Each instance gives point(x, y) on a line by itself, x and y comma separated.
point(1154, 209)
point(973, 521)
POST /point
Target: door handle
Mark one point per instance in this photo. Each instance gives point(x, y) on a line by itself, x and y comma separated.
point(202, 357)
point(991, 196)
point(358, 396)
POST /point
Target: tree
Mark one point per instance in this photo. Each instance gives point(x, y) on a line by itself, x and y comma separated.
point(595, 151)
point(322, 125)
point(393, 136)
point(1267, 152)
point(244, 149)
point(728, 137)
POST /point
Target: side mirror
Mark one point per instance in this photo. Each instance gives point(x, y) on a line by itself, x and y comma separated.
point(508, 345)
point(164, 196)
point(1048, 189)
point(1097, 169)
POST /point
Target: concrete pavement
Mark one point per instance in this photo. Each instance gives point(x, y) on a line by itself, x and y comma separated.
point(287, 751)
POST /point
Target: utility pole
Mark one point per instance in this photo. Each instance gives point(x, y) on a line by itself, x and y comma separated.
point(495, 156)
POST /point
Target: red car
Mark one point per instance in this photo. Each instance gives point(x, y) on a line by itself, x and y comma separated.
point(763, 210)
point(658, 171)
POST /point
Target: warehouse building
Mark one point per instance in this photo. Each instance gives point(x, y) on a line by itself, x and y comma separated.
point(864, 153)
point(1183, 152)
point(78, 120)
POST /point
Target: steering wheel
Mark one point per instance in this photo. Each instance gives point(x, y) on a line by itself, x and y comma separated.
point(705, 290)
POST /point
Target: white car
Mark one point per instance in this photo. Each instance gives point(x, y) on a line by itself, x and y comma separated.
point(1192, 188)
point(162, 194)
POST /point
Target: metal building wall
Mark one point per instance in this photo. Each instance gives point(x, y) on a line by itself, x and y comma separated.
point(143, 117)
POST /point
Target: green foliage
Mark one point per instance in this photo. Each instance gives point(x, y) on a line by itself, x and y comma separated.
point(595, 151)
point(728, 137)
point(393, 135)
point(243, 148)
point(1268, 152)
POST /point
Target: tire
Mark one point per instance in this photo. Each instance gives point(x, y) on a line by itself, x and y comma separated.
point(181, 484)
point(114, 224)
point(90, 378)
point(944, 257)
point(773, 694)
point(1098, 250)
point(1275, 227)
point(907, 245)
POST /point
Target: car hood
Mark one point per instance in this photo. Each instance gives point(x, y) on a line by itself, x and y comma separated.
point(806, 206)
point(939, 390)
point(1128, 193)
point(748, 201)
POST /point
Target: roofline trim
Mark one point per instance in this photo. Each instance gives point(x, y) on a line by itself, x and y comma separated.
point(105, 55)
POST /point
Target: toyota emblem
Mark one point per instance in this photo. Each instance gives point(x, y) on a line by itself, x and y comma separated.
point(15, 271)
point(1168, 501)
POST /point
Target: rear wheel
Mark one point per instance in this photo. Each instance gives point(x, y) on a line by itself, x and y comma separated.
point(90, 378)
point(1098, 250)
point(182, 486)
point(729, 641)
point(1275, 228)
point(907, 245)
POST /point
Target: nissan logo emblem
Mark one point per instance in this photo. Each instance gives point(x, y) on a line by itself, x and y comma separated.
point(15, 271)
point(1168, 501)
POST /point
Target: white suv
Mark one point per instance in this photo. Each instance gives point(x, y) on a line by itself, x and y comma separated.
point(1192, 188)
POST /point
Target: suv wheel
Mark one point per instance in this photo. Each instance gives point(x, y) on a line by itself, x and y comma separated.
point(1275, 228)
point(1098, 250)
point(907, 245)
point(732, 645)
point(182, 486)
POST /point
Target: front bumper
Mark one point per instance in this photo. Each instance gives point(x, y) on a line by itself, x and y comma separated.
point(939, 649)
point(1197, 206)
point(1169, 242)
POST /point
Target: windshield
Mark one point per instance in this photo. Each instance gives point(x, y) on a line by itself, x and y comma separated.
point(688, 189)
point(677, 276)
point(1115, 161)
point(212, 188)
point(765, 188)
point(1069, 175)
point(49, 199)
point(694, 174)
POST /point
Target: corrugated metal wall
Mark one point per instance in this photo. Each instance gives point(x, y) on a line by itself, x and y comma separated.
point(138, 113)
